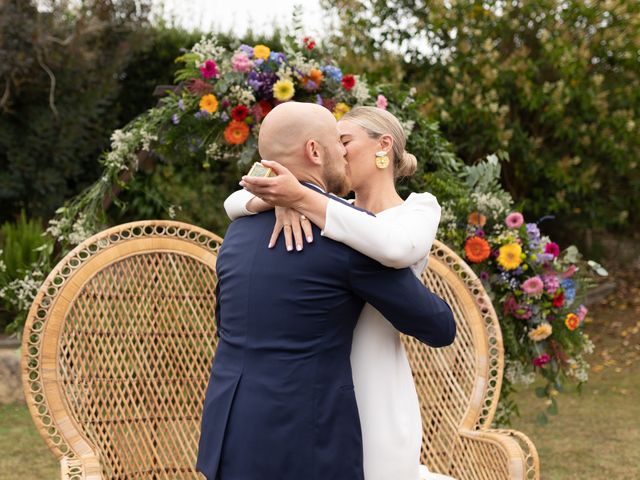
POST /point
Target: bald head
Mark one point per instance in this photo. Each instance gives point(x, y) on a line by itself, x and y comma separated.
point(304, 138)
point(288, 127)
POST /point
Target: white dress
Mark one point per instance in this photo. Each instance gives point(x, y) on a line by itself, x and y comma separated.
point(385, 392)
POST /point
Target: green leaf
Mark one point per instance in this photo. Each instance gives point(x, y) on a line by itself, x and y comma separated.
point(541, 392)
point(542, 419)
point(553, 408)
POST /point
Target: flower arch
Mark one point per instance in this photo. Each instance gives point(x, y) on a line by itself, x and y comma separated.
point(209, 121)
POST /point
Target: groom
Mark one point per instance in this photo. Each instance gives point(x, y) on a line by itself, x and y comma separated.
point(280, 403)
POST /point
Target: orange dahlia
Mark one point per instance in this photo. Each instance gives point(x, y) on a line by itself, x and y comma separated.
point(477, 249)
point(313, 80)
point(572, 321)
point(477, 219)
point(236, 132)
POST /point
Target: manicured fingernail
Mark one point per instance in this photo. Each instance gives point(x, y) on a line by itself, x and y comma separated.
point(309, 239)
point(270, 244)
point(289, 248)
point(298, 247)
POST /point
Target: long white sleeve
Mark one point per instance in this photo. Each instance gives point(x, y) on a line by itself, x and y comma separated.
point(236, 204)
point(397, 241)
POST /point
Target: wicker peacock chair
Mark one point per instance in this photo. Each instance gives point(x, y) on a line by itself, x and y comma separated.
point(118, 344)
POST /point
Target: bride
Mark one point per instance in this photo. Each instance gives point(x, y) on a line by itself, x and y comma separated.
point(399, 235)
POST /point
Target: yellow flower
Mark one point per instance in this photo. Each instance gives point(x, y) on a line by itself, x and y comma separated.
point(261, 51)
point(572, 321)
point(509, 257)
point(540, 333)
point(340, 109)
point(283, 90)
point(209, 103)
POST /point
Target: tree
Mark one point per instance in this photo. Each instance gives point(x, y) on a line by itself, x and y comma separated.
point(554, 83)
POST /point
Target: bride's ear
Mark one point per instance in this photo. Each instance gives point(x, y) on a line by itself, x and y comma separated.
point(313, 152)
point(386, 142)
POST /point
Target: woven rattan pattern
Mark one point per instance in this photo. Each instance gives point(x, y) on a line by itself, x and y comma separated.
point(119, 342)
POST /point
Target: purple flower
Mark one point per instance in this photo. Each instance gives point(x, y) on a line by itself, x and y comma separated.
point(224, 117)
point(181, 105)
point(479, 233)
point(534, 233)
point(262, 83)
point(175, 119)
point(247, 50)
point(318, 99)
point(484, 275)
point(201, 115)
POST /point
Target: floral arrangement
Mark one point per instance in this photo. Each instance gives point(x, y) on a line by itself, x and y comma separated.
point(536, 289)
point(227, 93)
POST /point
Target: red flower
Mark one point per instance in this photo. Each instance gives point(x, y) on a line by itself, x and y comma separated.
point(558, 300)
point(265, 107)
point(311, 45)
point(199, 87)
point(239, 113)
point(348, 82)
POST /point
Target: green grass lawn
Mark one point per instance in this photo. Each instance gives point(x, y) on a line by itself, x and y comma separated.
point(596, 435)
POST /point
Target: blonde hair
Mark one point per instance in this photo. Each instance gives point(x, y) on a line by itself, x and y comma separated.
point(377, 122)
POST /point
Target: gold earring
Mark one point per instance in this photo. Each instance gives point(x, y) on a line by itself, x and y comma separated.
point(382, 159)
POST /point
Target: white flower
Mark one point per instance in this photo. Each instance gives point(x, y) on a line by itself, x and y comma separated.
point(360, 91)
point(207, 49)
point(517, 373)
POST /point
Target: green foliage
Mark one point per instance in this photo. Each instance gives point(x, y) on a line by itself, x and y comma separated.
point(22, 244)
point(555, 84)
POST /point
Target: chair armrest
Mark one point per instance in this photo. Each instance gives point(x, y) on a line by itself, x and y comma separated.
point(529, 449)
point(497, 454)
point(80, 468)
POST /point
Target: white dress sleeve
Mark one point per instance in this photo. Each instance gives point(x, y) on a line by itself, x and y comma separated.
point(236, 204)
point(398, 240)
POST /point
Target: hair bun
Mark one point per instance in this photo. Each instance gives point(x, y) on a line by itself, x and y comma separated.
point(407, 165)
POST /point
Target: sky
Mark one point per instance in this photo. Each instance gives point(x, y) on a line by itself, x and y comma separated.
point(238, 16)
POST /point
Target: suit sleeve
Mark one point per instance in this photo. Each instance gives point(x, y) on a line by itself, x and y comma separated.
point(403, 300)
point(236, 204)
point(398, 241)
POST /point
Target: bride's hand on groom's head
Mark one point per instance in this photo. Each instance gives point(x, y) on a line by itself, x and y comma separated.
point(294, 226)
point(283, 190)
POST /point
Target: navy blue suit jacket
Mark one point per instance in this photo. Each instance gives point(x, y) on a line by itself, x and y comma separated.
point(280, 403)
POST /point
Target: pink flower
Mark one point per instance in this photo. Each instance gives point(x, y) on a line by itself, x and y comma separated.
point(514, 220)
point(569, 271)
point(522, 312)
point(541, 360)
point(582, 312)
point(382, 102)
point(551, 283)
point(209, 69)
point(533, 285)
point(552, 248)
point(240, 63)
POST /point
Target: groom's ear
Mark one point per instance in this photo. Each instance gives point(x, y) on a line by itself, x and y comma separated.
point(313, 152)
